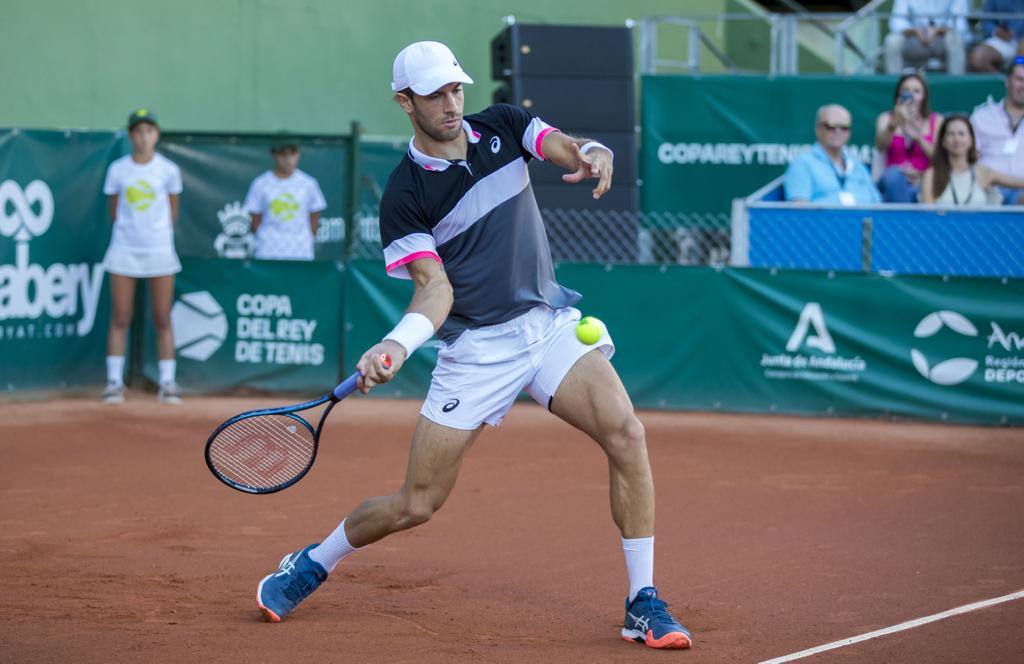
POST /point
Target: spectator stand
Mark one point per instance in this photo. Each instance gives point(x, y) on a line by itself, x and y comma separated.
point(768, 232)
point(780, 44)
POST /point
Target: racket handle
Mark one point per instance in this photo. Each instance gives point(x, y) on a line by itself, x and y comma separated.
point(346, 387)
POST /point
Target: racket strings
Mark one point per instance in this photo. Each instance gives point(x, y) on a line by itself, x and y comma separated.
point(263, 451)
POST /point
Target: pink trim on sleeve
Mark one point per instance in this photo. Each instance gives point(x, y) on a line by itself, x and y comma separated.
point(411, 257)
point(540, 139)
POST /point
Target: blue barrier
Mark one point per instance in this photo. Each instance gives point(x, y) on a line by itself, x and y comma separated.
point(904, 239)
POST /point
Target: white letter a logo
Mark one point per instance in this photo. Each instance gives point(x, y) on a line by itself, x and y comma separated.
point(821, 339)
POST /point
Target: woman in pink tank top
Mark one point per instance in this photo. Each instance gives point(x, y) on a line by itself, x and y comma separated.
point(906, 135)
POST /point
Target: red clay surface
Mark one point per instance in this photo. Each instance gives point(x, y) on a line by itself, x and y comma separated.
point(774, 535)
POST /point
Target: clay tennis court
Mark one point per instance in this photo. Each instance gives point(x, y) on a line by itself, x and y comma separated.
point(774, 535)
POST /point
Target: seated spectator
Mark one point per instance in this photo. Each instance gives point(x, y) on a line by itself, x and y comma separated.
point(1000, 138)
point(1002, 37)
point(906, 135)
point(955, 177)
point(926, 33)
point(829, 172)
point(284, 205)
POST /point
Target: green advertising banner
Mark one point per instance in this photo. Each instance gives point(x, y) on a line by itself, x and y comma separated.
point(54, 231)
point(216, 173)
point(813, 343)
point(710, 139)
point(806, 343)
point(377, 158)
point(271, 325)
point(374, 302)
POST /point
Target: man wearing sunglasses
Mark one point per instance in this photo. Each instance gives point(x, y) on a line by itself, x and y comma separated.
point(829, 172)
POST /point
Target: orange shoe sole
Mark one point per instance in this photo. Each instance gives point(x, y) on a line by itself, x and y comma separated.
point(672, 640)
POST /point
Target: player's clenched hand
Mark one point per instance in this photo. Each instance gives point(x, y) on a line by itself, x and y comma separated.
point(373, 367)
point(597, 164)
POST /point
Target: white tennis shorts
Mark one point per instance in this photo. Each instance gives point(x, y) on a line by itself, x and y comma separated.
point(478, 378)
point(141, 263)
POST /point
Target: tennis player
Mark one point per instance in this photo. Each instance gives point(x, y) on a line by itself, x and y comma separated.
point(142, 189)
point(459, 218)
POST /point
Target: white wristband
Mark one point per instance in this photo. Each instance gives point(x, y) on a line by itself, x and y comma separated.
point(412, 331)
point(587, 147)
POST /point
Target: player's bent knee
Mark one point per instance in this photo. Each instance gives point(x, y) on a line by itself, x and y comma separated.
point(626, 439)
point(416, 511)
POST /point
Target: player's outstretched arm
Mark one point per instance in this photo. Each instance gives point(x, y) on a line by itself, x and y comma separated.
point(428, 309)
point(584, 157)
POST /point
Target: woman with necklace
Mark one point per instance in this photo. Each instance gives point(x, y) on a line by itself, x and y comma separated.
point(956, 177)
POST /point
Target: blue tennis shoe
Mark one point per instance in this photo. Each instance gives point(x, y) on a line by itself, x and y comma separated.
point(297, 577)
point(648, 621)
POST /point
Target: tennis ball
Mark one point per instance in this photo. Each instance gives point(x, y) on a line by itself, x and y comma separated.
point(589, 330)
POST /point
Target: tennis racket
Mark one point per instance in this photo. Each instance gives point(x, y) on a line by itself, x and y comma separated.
point(265, 451)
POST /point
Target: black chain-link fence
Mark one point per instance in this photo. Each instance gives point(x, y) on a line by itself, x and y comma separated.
point(598, 236)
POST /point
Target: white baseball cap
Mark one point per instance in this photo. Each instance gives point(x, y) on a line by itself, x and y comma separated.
point(425, 67)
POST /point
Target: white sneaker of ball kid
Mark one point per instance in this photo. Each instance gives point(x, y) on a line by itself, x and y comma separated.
point(113, 393)
point(169, 393)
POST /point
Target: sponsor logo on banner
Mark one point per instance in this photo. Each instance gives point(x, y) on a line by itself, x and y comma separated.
point(1004, 362)
point(200, 325)
point(235, 239)
point(41, 301)
point(742, 154)
point(810, 353)
point(1000, 353)
point(946, 372)
point(266, 331)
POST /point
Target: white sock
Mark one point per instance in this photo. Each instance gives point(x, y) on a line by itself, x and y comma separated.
point(639, 563)
point(115, 369)
point(167, 369)
point(332, 549)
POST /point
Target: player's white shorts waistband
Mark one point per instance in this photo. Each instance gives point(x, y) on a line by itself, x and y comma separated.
point(479, 376)
point(141, 263)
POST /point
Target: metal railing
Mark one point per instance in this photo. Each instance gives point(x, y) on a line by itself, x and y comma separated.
point(853, 41)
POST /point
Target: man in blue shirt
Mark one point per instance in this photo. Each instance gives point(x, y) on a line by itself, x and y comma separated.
point(829, 172)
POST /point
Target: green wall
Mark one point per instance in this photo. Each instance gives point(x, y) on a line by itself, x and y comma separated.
point(253, 65)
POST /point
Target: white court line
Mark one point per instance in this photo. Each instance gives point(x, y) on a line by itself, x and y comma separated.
point(910, 624)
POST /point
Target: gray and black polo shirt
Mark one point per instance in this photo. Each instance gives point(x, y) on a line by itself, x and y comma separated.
point(479, 219)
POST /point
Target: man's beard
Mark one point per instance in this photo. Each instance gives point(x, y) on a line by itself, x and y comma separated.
point(439, 135)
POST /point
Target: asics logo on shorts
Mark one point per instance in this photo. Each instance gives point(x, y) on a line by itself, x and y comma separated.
point(450, 406)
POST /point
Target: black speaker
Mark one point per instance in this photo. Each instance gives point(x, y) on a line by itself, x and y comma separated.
point(579, 79)
point(602, 104)
point(562, 50)
point(622, 143)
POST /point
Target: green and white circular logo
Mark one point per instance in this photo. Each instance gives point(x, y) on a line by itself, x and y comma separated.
point(947, 372)
point(200, 325)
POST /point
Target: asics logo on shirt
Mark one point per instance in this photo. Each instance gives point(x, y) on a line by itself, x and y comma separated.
point(284, 207)
point(140, 195)
point(495, 144)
